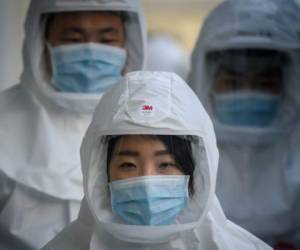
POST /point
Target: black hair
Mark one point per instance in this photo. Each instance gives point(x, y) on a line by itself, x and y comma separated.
point(49, 20)
point(180, 148)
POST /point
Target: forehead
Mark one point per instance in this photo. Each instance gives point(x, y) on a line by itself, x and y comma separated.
point(138, 142)
point(83, 18)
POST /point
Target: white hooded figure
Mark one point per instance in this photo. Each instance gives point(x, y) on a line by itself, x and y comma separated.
point(166, 53)
point(74, 51)
point(244, 73)
point(149, 168)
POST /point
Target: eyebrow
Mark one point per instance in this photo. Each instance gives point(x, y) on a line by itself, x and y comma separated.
point(136, 154)
point(72, 30)
point(161, 152)
point(99, 31)
point(108, 30)
point(127, 153)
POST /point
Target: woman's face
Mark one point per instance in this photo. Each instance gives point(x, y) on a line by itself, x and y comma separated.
point(135, 156)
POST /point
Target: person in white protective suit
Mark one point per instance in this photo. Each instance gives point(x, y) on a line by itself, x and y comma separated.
point(149, 168)
point(244, 73)
point(166, 53)
point(74, 51)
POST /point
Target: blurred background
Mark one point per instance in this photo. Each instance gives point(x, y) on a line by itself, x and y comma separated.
point(180, 19)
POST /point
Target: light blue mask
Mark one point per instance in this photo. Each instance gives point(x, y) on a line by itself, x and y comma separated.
point(253, 109)
point(87, 67)
point(149, 200)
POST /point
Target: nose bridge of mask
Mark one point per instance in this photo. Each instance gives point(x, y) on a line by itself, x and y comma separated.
point(86, 68)
point(246, 95)
point(87, 51)
point(150, 186)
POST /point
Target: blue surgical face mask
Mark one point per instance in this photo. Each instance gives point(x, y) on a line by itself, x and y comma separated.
point(86, 68)
point(252, 109)
point(149, 200)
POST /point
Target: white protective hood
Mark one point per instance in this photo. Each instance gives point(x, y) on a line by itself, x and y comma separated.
point(34, 46)
point(251, 24)
point(258, 181)
point(175, 111)
point(41, 129)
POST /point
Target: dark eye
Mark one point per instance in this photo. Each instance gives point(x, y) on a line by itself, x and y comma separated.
point(127, 165)
point(267, 82)
point(263, 84)
point(167, 165)
point(112, 42)
point(232, 83)
point(108, 41)
point(72, 38)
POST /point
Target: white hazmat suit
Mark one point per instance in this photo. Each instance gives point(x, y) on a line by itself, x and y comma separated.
point(259, 176)
point(41, 129)
point(201, 224)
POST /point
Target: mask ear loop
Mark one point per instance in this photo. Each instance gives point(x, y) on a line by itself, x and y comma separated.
point(51, 69)
point(44, 70)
